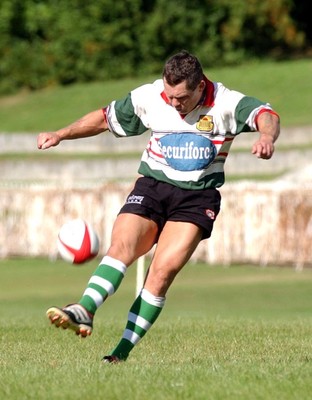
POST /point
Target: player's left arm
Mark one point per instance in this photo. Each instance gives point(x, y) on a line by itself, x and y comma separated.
point(268, 123)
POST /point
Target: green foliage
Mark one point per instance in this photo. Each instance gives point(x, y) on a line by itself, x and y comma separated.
point(46, 42)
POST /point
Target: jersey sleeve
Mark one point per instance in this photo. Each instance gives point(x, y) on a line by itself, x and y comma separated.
point(246, 112)
point(124, 117)
point(238, 112)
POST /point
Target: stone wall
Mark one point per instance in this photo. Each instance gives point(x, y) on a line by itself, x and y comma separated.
point(259, 223)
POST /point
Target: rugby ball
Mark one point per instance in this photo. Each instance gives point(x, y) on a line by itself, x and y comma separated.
point(77, 242)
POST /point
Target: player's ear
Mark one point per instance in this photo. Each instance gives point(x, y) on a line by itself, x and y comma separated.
point(202, 85)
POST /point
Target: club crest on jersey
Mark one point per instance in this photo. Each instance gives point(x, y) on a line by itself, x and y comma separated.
point(187, 151)
point(205, 123)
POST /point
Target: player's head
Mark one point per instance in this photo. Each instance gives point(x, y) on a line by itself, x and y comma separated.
point(183, 81)
point(181, 67)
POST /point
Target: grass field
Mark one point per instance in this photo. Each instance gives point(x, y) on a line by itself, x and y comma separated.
point(286, 85)
point(226, 333)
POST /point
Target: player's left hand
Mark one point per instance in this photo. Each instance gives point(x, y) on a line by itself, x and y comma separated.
point(263, 148)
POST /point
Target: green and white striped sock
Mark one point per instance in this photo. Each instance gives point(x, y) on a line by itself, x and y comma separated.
point(103, 283)
point(143, 313)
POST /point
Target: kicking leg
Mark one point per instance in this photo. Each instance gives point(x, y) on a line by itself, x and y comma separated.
point(127, 245)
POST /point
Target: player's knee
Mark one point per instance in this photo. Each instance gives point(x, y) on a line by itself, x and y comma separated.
point(159, 280)
point(123, 251)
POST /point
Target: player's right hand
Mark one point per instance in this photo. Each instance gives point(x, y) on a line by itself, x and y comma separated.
point(47, 139)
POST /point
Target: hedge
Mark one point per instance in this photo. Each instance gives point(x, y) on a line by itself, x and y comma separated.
point(48, 42)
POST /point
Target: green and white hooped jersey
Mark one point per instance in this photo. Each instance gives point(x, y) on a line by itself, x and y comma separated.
point(187, 151)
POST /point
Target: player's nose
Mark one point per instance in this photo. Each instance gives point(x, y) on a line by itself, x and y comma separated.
point(175, 103)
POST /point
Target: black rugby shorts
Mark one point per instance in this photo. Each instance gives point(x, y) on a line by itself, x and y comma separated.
point(161, 202)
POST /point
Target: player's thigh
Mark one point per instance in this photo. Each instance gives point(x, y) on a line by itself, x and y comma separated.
point(132, 236)
point(176, 244)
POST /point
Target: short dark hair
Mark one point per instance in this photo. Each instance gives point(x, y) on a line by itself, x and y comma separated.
point(181, 67)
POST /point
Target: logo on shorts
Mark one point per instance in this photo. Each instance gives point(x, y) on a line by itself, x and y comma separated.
point(210, 214)
point(133, 199)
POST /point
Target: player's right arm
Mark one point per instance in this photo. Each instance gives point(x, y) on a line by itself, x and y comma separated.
point(90, 124)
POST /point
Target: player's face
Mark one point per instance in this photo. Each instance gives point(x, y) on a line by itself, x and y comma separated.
point(182, 99)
